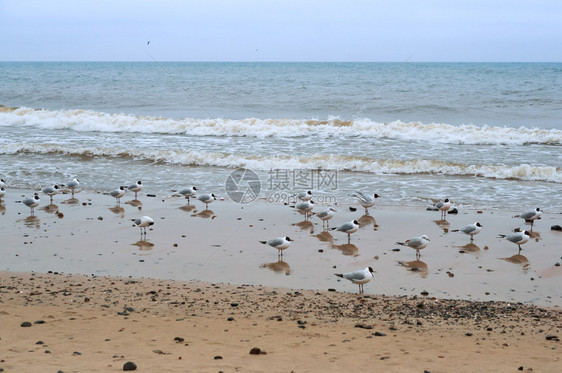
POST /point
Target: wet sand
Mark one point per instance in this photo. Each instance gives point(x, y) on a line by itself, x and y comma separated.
point(231, 293)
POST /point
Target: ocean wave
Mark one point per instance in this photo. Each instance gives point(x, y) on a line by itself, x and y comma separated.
point(326, 162)
point(85, 120)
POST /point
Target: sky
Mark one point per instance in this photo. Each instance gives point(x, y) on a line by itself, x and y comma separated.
point(276, 30)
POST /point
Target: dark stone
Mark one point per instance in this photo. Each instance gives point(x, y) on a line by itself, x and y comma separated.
point(76, 353)
point(39, 342)
point(379, 334)
point(25, 324)
point(218, 357)
point(453, 211)
point(556, 228)
point(234, 304)
point(520, 368)
point(396, 250)
point(331, 289)
point(425, 293)
point(468, 334)
point(179, 339)
point(301, 322)
point(230, 319)
point(255, 351)
point(552, 338)
point(352, 208)
point(39, 322)
point(129, 365)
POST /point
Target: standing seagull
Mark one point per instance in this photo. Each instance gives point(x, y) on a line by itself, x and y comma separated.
point(518, 238)
point(135, 188)
point(305, 207)
point(143, 222)
point(32, 203)
point(188, 192)
point(443, 207)
point(326, 215)
point(416, 243)
point(358, 277)
point(2, 183)
point(118, 193)
point(365, 200)
point(72, 185)
point(305, 196)
point(206, 199)
point(51, 191)
point(531, 215)
point(470, 230)
point(279, 243)
point(2, 193)
point(348, 228)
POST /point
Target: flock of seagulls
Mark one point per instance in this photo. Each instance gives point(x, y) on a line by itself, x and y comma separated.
point(304, 206)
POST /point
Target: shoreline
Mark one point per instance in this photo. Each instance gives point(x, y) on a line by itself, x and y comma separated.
point(99, 323)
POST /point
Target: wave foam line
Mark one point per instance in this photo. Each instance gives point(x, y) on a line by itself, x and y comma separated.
point(327, 162)
point(85, 120)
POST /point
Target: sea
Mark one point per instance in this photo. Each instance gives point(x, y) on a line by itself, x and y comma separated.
point(485, 135)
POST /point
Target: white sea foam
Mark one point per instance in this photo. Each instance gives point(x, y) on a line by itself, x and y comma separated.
point(84, 120)
point(328, 162)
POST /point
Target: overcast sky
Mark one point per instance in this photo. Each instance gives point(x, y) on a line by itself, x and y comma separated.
point(301, 30)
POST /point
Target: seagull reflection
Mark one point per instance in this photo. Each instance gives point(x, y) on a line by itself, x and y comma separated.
point(135, 203)
point(347, 249)
point(205, 214)
point(71, 201)
point(188, 208)
point(304, 225)
point(32, 221)
point(2, 209)
point(144, 245)
point(469, 248)
point(325, 237)
point(118, 210)
point(51, 209)
point(367, 220)
point(416, 266)
point(278, 267)
point(443, 224)
point(518, 259)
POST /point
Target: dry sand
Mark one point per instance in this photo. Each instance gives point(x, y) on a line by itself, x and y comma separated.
point(98, 324)
point(139, 313)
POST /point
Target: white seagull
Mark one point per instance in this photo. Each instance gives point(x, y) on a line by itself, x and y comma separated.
point(443, 206)
point(279, 243)
point(206, 199)
point(51, 191)
point(118, 193)
point(531, 215)
point(365, 200)
point(143, 222)
point(72, 185)
point(305, 196)
point(2, 183)
point(326, 215)
point(470, 230)
point(188, 192)
point(306, 207)
point(348, 228)
point(137, 187)
point(358, 277)
point(417, 243)
point(2, 193)
point(518, 238)
point(32, 203)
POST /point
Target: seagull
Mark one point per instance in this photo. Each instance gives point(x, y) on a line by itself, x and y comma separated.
point(348, 228)
point(279, 243)
point(306, 207)
point(118, 193)
point(305, 196)
point(365, 200)
point(135, 188)
point(206, 199)
point(358, 277)
point(2, 183)
point(32, 202)
point(73, 184)
point(326, 215)
point(531, 215)
point(2, 193)
point(188, 192)
point(443, 207)
point(51, 191)
point(416, 243)
point(143, 222)
point(518, 238)
point(470, 230)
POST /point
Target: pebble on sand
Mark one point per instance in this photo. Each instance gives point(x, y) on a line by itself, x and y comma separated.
point(129, 365)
